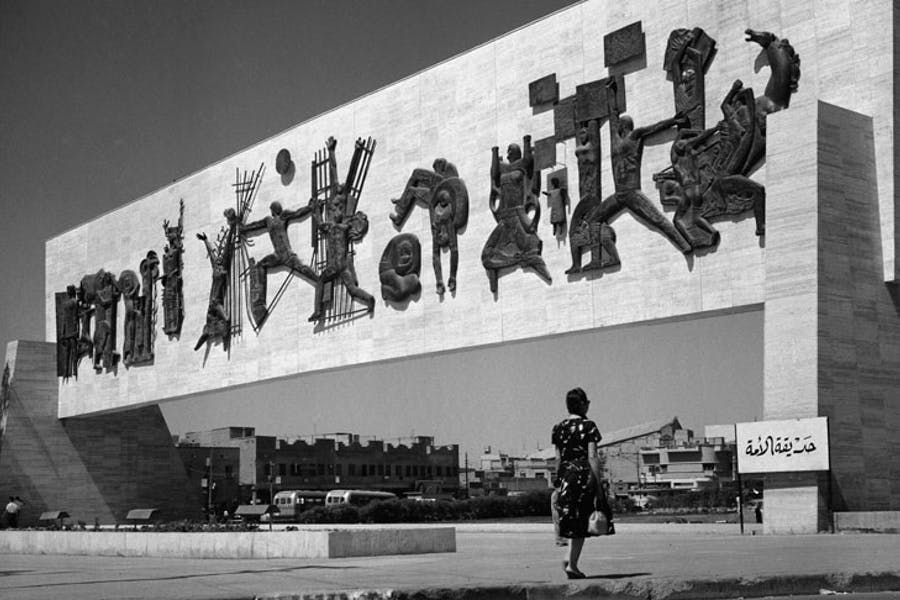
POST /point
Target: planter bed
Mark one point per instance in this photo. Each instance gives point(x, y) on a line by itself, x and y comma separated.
point(333, 542)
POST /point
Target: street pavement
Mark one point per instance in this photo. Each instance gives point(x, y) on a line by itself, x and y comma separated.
point(494, 561)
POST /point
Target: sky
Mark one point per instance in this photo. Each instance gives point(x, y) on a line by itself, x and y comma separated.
point(104, 102)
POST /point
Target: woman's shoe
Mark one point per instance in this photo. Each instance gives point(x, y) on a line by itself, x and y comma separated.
point(573, 573)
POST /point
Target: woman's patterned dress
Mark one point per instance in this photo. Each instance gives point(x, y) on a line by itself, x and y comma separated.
point(575, 482)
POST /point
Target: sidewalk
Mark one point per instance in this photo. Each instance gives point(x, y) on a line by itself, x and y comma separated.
point(493, 561)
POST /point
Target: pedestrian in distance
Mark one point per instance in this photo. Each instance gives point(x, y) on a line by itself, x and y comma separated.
point(578, 477)
point(12, 512)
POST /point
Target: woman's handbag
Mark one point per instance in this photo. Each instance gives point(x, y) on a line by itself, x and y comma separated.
point(598, 524)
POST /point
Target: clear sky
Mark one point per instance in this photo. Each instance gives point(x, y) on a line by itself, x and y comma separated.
point(104, 102)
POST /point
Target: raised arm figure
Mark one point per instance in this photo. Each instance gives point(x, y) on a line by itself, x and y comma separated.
point(627, 150)
point(283, 255)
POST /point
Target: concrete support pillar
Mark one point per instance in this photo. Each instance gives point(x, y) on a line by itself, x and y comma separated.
point(97, 467)
point(832, 326)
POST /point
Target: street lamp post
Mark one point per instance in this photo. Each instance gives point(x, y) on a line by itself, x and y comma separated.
point(209, 486)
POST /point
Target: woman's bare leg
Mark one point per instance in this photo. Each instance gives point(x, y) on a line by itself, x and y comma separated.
point(575, 545)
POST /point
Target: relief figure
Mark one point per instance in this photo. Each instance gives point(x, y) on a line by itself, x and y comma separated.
point(514, 241)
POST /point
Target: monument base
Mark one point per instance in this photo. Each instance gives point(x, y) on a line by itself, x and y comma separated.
point(340, 542)
point(885, 521)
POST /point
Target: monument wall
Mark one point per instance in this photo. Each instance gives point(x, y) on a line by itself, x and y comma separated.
point(92, 468)
point(459, 110)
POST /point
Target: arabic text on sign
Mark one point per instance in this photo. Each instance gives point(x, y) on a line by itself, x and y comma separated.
point(778, 445)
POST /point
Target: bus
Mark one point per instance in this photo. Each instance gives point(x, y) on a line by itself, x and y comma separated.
point(356, 497)
point(291, 503)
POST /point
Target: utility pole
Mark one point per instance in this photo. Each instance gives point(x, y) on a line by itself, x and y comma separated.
point(740, 484)
point(467, 473)
point(209, 486)
point(271, 497)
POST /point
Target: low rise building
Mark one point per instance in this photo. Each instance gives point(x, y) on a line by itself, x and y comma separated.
point(338, 460)
point(213, 476)
point(636, 460)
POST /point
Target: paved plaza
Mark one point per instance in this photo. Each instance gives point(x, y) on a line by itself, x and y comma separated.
point(494, 561)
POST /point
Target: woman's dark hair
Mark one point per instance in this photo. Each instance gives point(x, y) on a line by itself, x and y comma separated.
point(576, 400)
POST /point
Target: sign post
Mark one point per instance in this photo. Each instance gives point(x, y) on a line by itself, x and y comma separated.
point(740, 486)
point(784, 446)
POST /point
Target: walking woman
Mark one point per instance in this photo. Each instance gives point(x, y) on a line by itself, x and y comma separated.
point(578, 476)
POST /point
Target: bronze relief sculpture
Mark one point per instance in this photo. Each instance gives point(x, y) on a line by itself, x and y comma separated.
point(283, 255)
point(627, 149)
point(67, 333)
point(221, 257)
point(337, 226)
point(102, 293)
point(447, 199)
point(399, 268)
point(172, 281)
point(557, 202)
point(709, 173)
point(138, 330)
point(4, 402)
point(513, 201)
point(589, 231)
point(689, 54)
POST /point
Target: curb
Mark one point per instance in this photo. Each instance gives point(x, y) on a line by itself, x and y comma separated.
point(643, 589)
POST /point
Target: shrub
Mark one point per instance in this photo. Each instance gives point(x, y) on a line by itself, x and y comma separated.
point(387, 511)
point(336, 513)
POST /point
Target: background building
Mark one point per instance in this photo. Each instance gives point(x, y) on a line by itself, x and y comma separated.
point(213, 475)
point(336, 460)
point(621, 449)
point(637, 461)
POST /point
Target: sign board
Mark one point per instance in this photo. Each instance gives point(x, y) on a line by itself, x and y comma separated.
point(780, 446)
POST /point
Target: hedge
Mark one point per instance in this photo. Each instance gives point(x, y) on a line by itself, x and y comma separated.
point(535, 503)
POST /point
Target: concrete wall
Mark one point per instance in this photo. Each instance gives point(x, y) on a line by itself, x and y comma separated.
point(460, 109)
point(308, 543)
point(93, 468)
point(832, 345)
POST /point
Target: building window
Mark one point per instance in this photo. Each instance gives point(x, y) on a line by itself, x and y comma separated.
point(331, 468)
point(398, 471)
point(365, 470)
point(351, 470)
point(267, 469)
point(440, 470)
point(229, 473)
point(381, 469)
point(282, 469)
point(372, 470)
point(338, 470)
point(408, 470)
